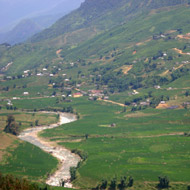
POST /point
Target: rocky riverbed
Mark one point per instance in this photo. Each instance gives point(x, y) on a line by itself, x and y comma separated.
point(65, 157)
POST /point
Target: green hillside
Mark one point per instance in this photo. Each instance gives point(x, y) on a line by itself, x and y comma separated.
point(102, 15)
point(123, 68)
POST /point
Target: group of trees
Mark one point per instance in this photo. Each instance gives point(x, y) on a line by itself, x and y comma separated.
point(187, 134)
point(153, 101)
point(73, 171)
point(83, 155)
point(10, 182)
point(163, 182)
point(7, 88)
point(11, 127)
point(11, 107)
point(68, 109)
point(124, 183)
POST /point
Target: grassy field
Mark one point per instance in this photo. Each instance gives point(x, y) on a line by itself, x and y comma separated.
point(28, 161)
point(20, 158)
point(142, 144)
point(36, 86)
point(26, 119)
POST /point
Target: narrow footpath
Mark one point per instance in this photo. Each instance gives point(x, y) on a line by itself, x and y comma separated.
point(65, 157)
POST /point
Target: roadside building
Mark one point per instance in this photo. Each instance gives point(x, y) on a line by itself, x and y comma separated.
point(77, 95)
point(25, 93)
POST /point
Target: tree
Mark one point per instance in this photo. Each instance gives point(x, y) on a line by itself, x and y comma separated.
point(163, 182)
point(127, 103)
point(113, 184)
point(36, 122)
point(62, 183)
point(104, 184)
point(57, 100)
point(54, 93)
point(86, 136)
point(10, 119)
point(123, 183)
point(24, 86)
point(73, 173)
point(11, 126)
point(124, 109)
point(187, 93)
point(131, 181)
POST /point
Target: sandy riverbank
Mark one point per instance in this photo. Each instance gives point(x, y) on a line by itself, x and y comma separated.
point(66, 158)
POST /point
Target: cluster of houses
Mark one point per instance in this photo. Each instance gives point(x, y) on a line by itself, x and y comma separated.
point(92, 94)
point(144, 103)
point(44, 72)
point(9, 103)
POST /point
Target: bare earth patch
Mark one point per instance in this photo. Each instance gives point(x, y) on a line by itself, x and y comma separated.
point(162, 106)
point(110, 101)
point(139, 114)
point(126, 69)
point(165, 73)
point(180, 51)
point(58, 52)
point(186, 36)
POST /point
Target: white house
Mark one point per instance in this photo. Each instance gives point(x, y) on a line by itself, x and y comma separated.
point(26, 72)
point(25, 93)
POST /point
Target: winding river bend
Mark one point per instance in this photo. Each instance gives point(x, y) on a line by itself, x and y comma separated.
point(65, 157)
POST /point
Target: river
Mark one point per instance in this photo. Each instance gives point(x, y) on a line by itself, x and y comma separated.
point(65, 157)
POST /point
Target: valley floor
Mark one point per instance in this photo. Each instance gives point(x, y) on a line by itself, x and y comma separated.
point(142, 144)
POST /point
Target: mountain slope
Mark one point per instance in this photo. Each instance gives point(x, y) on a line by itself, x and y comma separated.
point(102, 15)
point(145, 24)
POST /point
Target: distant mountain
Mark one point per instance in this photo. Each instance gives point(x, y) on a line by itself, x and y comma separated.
point(48, 14)
point(14, 11)
point(21, 32)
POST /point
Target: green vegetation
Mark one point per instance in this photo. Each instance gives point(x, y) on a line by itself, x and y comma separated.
point(11, 126)
point(23, 120)
point(163, 182)
point(9, 182)
point(130, 62)
point(28, 161)
point(144, 144)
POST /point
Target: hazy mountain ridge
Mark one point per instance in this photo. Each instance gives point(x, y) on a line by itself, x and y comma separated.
point(39, 20)
point(21, 32)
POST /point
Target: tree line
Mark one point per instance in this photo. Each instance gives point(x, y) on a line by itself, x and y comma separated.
point(9, 182)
